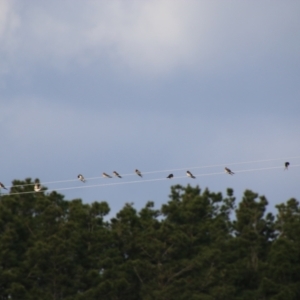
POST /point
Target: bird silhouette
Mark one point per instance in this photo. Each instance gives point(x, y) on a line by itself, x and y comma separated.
point(189, 174)
point(81, 178)
point(138, 173)
point(286, 165)
point(2, 186)
point(170, 176)
point(37, 187)
point(117, 174)
point(228, 171)
point(106, 175)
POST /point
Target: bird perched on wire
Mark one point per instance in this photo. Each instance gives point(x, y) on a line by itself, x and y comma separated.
point(37, 187)
point(138, 173)
point(117, 174)
point(228, 171)
point(106, 175)
point(2, 186)
point(81, 178)
point(189, 174)
point(170, 176)
point(286, 165)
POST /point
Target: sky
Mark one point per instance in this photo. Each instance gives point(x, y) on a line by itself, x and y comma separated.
point(100, 86)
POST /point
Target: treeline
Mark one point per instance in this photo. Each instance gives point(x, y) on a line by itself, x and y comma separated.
point(199, 246)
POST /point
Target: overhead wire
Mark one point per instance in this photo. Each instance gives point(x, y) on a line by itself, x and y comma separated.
point(145, 180)
point(220, 165)
point(168, 170)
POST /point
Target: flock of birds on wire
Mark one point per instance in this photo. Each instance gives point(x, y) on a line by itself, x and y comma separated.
point(38, 186)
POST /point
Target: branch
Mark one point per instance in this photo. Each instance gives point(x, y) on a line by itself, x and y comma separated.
point(146, 252)
point(186, 269)
point(167, 250)
point(137, 274)
point(29, 229)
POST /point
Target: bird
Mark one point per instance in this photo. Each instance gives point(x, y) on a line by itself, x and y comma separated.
point(286, 165)
point(138, 173)
point(81, 178)
point(170, 176)
point(2, 186)
point(106, 175)
point(117, 174)
point(37, 187)
point(189, 174)
point(228, 171)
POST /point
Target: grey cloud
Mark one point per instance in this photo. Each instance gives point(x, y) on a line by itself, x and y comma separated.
point(152, 37)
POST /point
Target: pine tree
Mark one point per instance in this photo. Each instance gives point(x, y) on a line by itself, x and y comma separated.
point(282, 281)
point(254, 233)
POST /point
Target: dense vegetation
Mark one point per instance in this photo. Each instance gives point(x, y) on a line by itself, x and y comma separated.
point(199, 245)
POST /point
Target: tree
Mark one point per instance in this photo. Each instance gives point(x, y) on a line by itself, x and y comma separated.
point(193, 247)
point(282, 281)
point(254, 234)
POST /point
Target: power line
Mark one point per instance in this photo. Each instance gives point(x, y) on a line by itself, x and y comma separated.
point(149, 180)
point(222, 165)
point(169, 170)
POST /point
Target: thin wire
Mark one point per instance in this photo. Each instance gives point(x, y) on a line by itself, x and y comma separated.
point(162, 171)
point(147, 180)
point(222, 165)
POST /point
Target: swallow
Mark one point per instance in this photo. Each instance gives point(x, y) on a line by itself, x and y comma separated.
point(81, 178)
point(138, 173)
point(37, 187)
point(286, 165)
point(189, 174)
point(2, 186)
point(228, 171)
point(170, 176)
point(106, 175)
point(117, 174)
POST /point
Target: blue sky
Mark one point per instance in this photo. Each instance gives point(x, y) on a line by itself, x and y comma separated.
point(96, 86)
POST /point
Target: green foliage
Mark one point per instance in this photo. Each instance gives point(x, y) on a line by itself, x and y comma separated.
point(192, 248)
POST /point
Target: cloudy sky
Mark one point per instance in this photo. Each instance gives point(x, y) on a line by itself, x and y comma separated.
point(96, 86)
